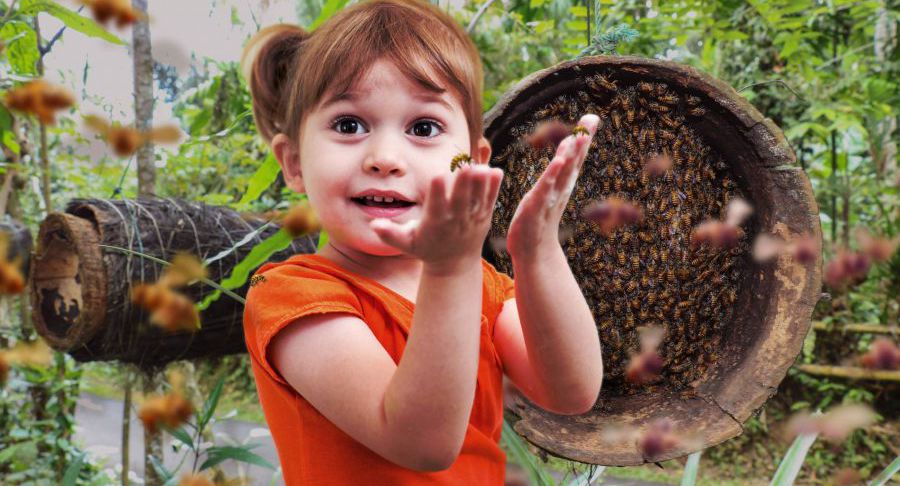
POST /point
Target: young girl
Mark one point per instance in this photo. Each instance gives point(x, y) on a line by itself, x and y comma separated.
point(380, 359)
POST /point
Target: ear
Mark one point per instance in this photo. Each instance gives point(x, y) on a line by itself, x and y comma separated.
point(286, 153)
point(482, 151)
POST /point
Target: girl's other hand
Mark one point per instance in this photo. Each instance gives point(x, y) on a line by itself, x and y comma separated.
point(452, 231)
point(535, 224)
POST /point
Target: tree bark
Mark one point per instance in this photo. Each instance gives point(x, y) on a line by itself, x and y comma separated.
point(143, 99)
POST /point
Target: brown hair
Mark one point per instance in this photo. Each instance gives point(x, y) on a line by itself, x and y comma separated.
point(289, 69)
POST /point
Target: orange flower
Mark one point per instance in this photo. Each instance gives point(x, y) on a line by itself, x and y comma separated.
point(300, 220)
point(4, 368)
point(125, 141)
point(170, 410)
point(40, 99)
point(119, 10)
point(170, 310)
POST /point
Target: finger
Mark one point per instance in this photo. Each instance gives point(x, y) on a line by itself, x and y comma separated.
point(436, 204)
point(571, 166)
point(480, 181)
point(462, 192)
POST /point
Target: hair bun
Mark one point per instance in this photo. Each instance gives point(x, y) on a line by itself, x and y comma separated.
point(266, 63)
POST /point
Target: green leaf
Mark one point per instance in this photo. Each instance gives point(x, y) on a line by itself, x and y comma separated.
point(536, 3)
point(72, 20)
point(5, 118)
point(887, 474)
point(258, 255)
point(793, 460)
point(542, 26)
point(161, 470)
point(216, 455)
point(519, 454)
point(9, 141)
point(323, 240)
point(71, 475)
point(261, 180)
point(21, 47)
point(576, 25)
point(578, 11)
point(211, 403)
point(731, 35)
point(329, 9)
point(182, 435)
point(689, 478)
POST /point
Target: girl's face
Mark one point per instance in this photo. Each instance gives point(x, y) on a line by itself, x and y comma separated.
point(388, 135)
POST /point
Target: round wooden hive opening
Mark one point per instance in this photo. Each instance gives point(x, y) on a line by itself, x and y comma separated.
point(733, 325)
point(67, 281)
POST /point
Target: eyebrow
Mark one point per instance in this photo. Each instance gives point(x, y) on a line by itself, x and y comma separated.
point(356, 95)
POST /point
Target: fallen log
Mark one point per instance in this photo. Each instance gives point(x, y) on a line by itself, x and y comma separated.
point(81, 290)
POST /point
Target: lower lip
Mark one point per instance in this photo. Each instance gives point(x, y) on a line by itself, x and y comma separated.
point(383, 212)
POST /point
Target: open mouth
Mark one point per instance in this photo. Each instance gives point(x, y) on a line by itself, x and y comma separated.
point(382, 204)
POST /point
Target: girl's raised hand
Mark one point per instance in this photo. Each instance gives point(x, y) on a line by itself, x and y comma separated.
point(535, 224)
point(452, 231)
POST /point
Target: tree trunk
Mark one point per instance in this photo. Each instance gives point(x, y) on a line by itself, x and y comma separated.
point(143, 99)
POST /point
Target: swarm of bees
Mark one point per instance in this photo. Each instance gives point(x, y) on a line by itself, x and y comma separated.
point(169, 309)
point(41, 99)
point(644, 271)
point(124, 140)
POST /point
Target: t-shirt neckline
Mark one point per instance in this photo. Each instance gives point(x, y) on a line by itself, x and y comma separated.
point(378, 284)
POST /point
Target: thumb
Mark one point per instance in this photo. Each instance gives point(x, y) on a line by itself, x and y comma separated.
point(399, 236)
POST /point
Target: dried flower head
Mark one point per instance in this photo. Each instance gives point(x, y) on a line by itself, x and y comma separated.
point(185, 268)
point(548, 133)
point(300, 220)
point(170, 410)
point(41, 99)
point(35, 353)
point(882, 355)
point(612, 213)
point(169, 309)
point(804, 250)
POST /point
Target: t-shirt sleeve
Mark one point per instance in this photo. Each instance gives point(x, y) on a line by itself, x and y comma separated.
point(280, 295)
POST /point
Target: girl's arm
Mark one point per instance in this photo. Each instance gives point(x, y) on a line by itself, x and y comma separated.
point(414, 414)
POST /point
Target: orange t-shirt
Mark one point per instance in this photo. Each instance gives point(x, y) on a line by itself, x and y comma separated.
point(312, 450)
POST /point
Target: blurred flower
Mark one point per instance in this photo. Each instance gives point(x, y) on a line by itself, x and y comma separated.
point(767, 247)
point(737, 211)
point(125, 141)
point(498, 244)
point(4, 368)
point(804, 249)
point(646, 365)
point(846, 477)
point(35, 353)
point(301, 219)
point(657, 438)
point(548, 133)
point(195, 480)
point(882, 355)
point(41, 99)
point(878, 249)
point(846, 268)
point(185, 268)
point(11, 279)
point(612, 213)
point(169, 309)
point(716, 234)
point(170, 410)
point(119, 10)
point(835, 425)
point(657, 165)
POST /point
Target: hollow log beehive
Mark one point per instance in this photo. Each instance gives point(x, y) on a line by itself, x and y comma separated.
point(733, 326)
point(81, 291)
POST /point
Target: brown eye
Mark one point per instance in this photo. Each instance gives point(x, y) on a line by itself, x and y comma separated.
point(346, 125)
point(426, 124)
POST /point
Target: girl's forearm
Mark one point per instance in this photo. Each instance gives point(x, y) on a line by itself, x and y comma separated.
point(430, 397)
point(560, 334)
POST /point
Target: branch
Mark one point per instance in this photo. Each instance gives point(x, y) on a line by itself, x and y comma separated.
point(792, 90)
point(478, 15)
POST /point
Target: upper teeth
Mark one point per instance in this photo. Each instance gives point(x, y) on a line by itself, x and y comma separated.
point(380, 199)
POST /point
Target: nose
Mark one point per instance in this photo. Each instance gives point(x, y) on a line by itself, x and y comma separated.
point(385, 158)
